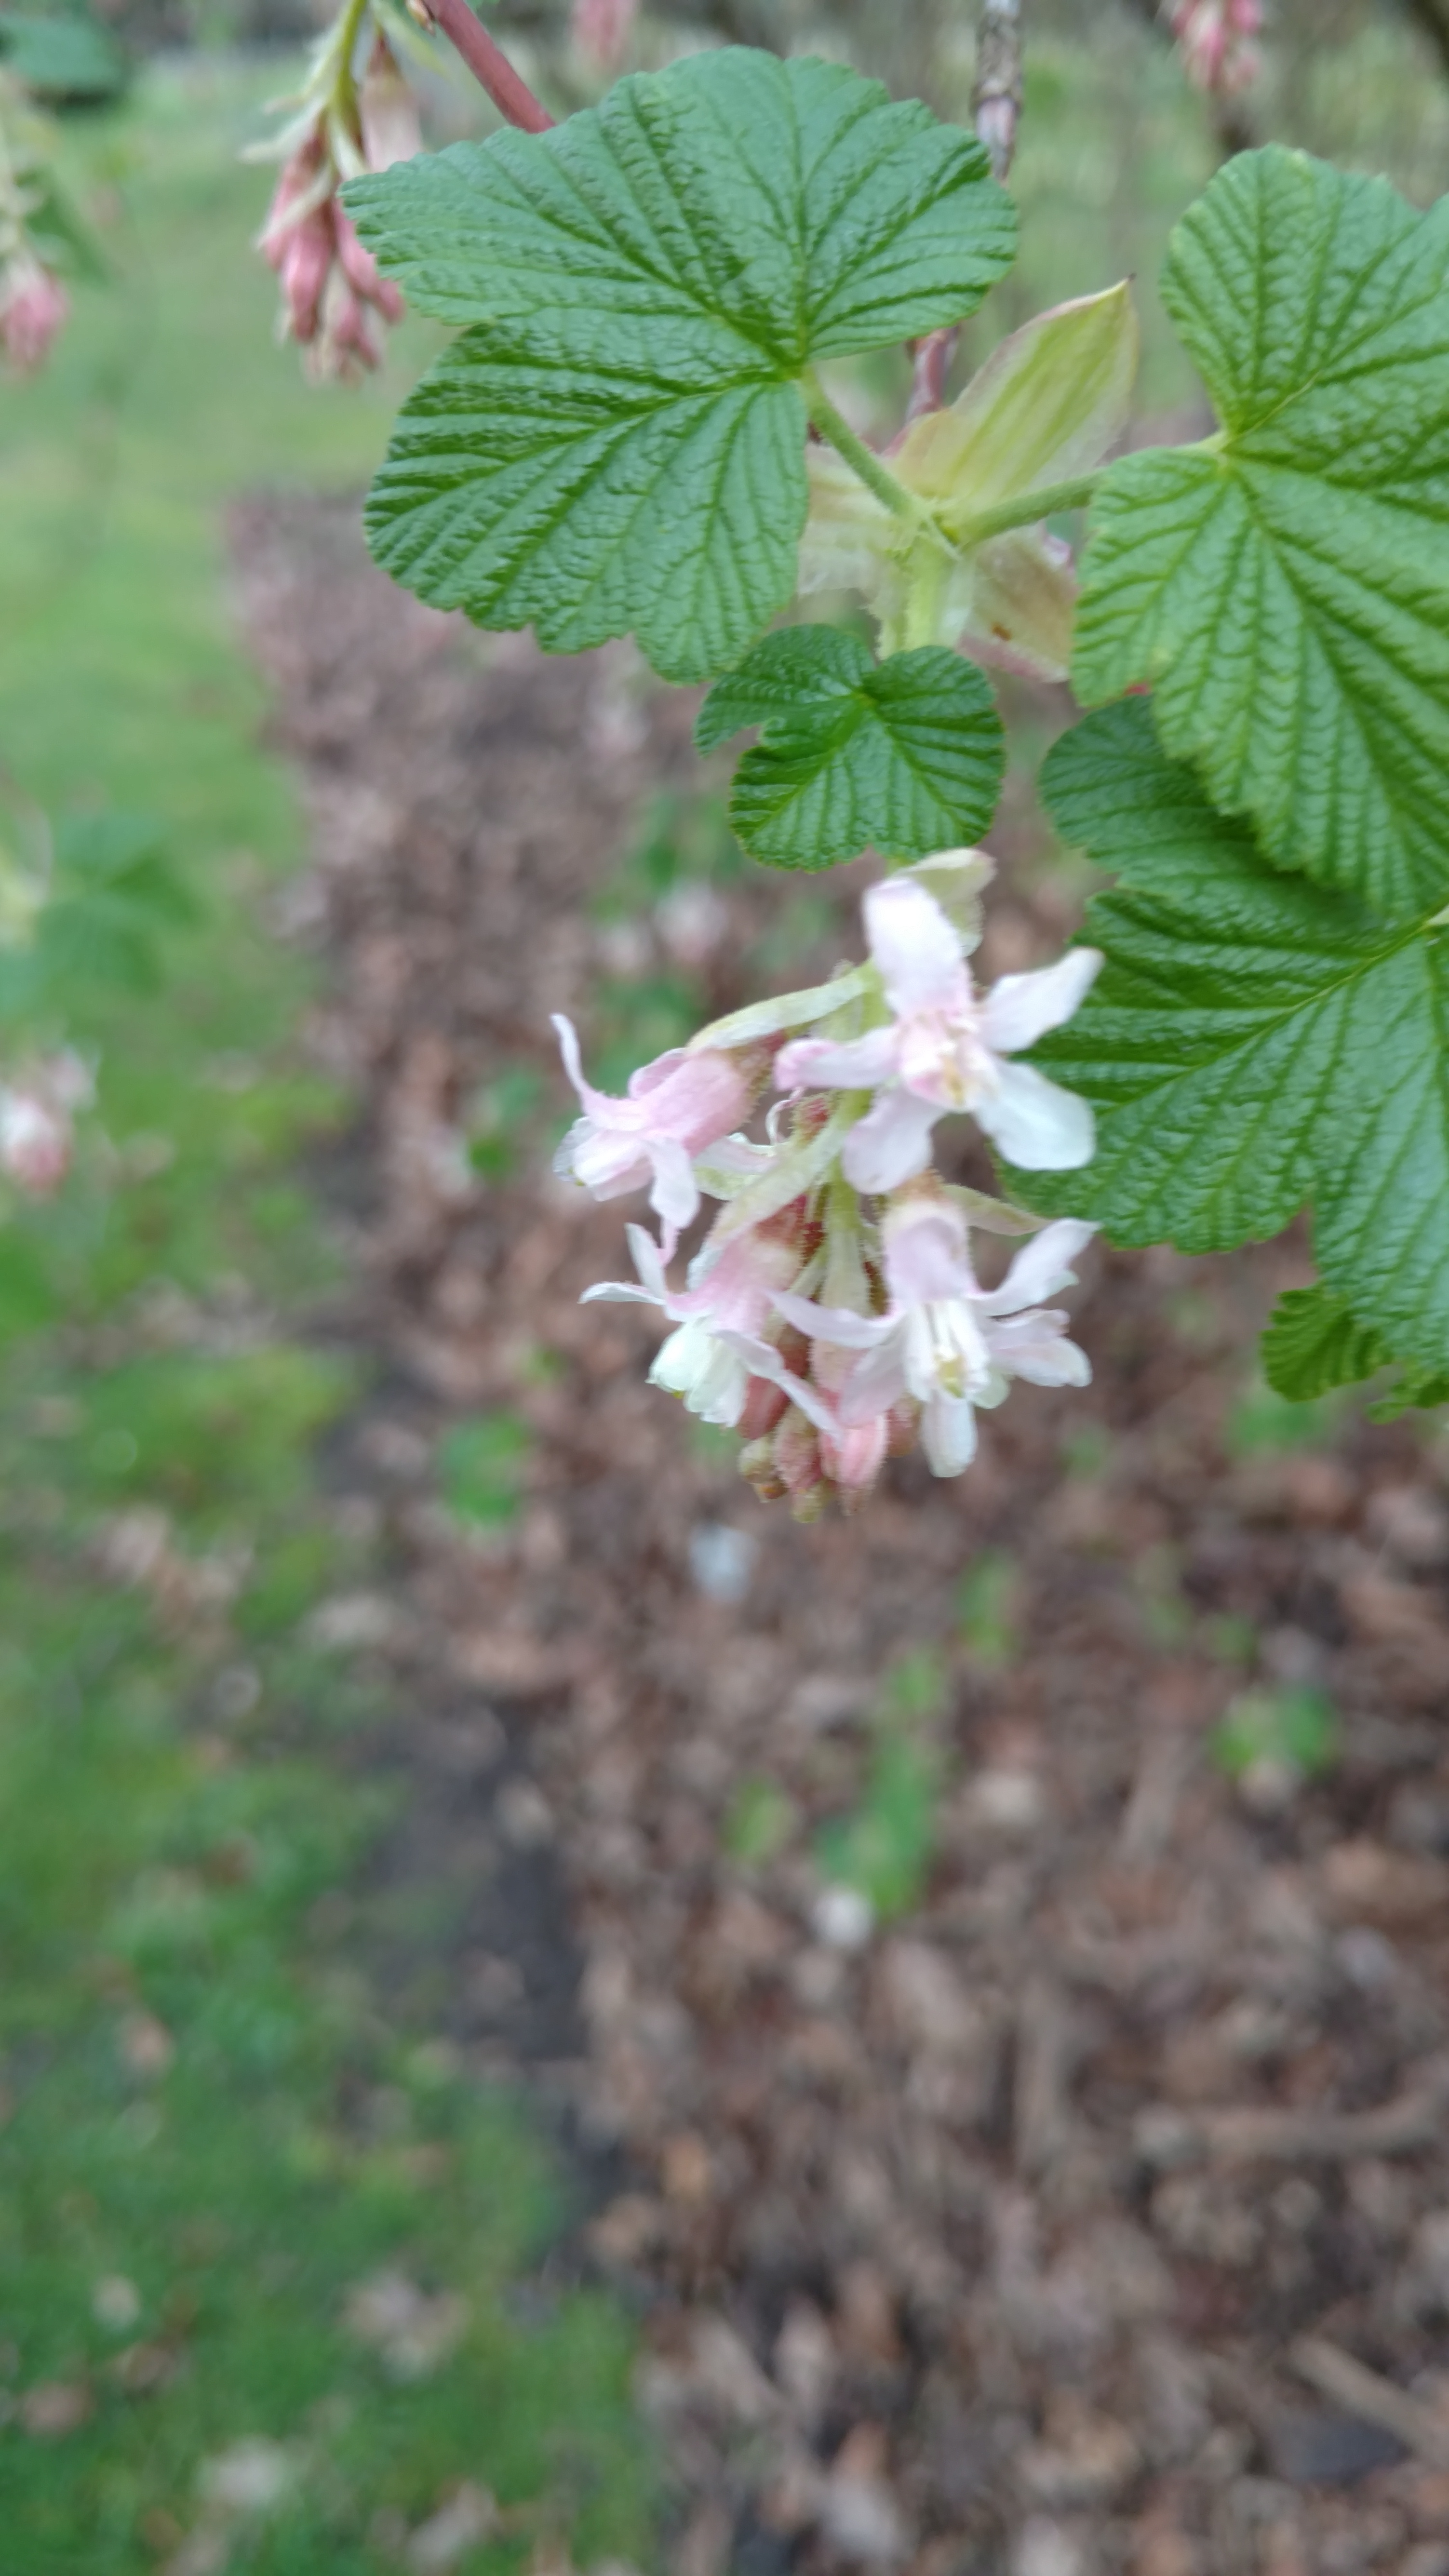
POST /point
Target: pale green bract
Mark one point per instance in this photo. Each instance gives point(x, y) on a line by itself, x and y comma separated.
point(1254, 1044)
point(904, 756)
point(1287, 587)
point(616, 444)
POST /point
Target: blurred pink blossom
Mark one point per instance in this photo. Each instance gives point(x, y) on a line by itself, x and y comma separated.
point(1216, 41)
point(37, 1114)
point(34, 308)
point(601, 29)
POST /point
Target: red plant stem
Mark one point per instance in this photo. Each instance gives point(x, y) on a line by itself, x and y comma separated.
point(510, 95)
point(996, 105)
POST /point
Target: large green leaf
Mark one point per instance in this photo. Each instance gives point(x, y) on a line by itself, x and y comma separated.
point(617, 441)
point(903, 756)
point(1254, 1044)
point(1287, 586)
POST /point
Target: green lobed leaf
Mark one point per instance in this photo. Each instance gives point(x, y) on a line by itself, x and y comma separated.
point(616, 443)
point(905, 756)
point(1286, 587)
point(1253, 1044)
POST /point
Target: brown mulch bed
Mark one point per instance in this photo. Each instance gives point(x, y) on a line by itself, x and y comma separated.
point(1038, 2234)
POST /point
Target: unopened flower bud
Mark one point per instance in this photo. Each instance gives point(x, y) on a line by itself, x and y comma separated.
point(388, 110)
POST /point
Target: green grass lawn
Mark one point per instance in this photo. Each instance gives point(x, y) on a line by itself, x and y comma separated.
point(256, 2238)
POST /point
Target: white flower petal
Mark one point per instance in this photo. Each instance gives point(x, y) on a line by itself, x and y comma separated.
point(892, 1142)
point(948, 1434)
point(1041, 1269)
point(1021, 1008)
point(701, 1367)
point(675, 1195)
point(914, 946)
point(1036, 1123)
point(846, 1064)
point(1036, 1347)
point(618, 1292)
point(645, 1254)
point(835, 1324)
point(926, 1255)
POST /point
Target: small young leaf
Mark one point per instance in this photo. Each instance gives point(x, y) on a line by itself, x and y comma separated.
point(905, 756)
point(617, 443)
point(1315, 1343)
point(1287, 586)
point(1254, 1042)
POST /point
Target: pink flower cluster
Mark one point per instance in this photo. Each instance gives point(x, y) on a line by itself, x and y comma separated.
point(833, 1314)
point(1217, 42)
point(333, 295)
point(37, 1122)
point(332, 292)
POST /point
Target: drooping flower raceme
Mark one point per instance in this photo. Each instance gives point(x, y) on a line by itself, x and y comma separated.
point(333, 295)
point(833, 1313)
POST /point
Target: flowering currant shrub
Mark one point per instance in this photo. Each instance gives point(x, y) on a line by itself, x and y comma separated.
point(633, 434)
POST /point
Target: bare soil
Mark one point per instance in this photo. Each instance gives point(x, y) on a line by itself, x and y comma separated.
point(1041, 2234)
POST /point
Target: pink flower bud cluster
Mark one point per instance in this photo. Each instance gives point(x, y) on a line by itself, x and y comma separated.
point(1216, 39)
point(832, 1314)
point(334, 297)
point(37, 1122)
point(34, 305)
point(34, 308)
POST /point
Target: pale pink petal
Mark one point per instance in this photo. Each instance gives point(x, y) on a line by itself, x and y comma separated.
point(892, 1142)
point(948, 1434)
point(1021, 1008)
point(926, 1256)
point(915, 948)
point(826, 1064)
point(1041, 1269)
point(835, 1324)
point(674, 1196)
point(610, 1165)
point(876, 1382)
point(1035, 1347)
point(648, 1077)
point(763, 1360)
point(1036, 1123)
point(647, 1262)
